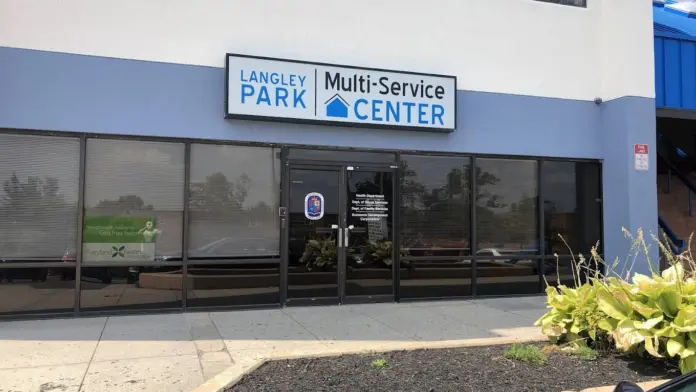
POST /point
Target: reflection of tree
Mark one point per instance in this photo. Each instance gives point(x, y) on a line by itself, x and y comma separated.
point(125, 203)
point(217, 193)
point(33, 217)
point(221, 199)
point(443, 211)
point(32, 195)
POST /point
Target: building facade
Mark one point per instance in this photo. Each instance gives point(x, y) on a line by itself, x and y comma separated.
point(135, 178)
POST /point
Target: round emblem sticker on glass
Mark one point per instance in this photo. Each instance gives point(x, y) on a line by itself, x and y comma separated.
point(314, 206)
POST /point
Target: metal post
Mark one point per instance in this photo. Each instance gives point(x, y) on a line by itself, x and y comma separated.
point(396, 232)
point(472, 222)
point(541, 216)
point(185, 233)
point(80, 220)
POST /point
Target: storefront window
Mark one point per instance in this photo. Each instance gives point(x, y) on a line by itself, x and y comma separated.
point(572, 213)
point(39, 182)
point(435, 226)
point(234, 194)
point(572, 207)
point(134, 199)
point(233, 200)
point(507, 221)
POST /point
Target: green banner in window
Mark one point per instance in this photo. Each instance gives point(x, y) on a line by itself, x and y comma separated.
point(118, 238)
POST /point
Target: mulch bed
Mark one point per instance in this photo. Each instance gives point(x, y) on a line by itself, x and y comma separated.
point(477, 369)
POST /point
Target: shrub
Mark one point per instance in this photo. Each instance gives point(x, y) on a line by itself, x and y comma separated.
point(647, 314)
point(527, 353)
point(379, 363)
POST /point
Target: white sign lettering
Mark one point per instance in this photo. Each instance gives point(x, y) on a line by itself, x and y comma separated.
point(261, 88)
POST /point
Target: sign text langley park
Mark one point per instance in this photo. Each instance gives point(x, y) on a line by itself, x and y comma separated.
point(273, 89)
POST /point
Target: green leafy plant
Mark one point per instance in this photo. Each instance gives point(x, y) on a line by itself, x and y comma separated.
point(319, 253)
point(379, 363)
point(380, 252)
point(583, 352)
point(526, 353)
point(654, 315)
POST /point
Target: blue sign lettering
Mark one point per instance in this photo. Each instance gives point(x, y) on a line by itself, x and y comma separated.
point(272, 88)
point(391, 112)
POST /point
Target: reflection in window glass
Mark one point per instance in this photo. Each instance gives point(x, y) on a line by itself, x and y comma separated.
point(134, 195)
point(435, 226)
point(130, 288)
point(572, 206)
point(241, 284)
point(507, 206)
point(37, 290)
point(572, 213)
point(507, 227)
point(39, 179)
point(233, 201)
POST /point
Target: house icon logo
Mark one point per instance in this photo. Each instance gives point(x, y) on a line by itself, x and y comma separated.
point(336, 107)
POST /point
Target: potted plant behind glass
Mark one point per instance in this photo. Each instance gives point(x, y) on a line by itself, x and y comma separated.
point(380, 253)
point(319, 254)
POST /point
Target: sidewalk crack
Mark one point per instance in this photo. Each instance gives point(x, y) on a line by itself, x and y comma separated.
point(91, 358)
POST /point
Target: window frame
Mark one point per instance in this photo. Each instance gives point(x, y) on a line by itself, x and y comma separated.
point(282, 149)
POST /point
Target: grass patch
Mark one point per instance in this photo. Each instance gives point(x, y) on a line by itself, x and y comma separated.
point(526, 353)
point(583, 352)
point(379, 363)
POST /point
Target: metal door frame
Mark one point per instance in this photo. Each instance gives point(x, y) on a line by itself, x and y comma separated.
point(342, 169)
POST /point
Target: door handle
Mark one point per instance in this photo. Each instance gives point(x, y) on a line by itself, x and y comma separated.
point(345, 239)
point(339, 238)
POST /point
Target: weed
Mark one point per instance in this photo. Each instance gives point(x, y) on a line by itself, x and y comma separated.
point(527, 353)
point(379, 363)
point(583, 352)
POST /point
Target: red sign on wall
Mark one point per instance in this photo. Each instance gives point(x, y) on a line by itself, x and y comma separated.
point(642, 158)
point(640, 148)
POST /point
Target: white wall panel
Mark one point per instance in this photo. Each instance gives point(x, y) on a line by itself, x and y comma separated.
point(508, 46)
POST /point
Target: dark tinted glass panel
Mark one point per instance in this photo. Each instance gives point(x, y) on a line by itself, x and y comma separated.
point(130, 288)
point(134, 199)
point(576, 3)
point(341, 155)
point(233, 200)
point(248, 282)
point(37, 290)
point(370, 252)
point(39, 178)
point(312, 253)
point(507, 222)
point(572, 207)
point(435, 226)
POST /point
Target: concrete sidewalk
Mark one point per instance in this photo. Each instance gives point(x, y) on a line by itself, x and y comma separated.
point(178, 352)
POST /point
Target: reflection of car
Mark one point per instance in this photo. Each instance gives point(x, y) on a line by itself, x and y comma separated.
point(685, 383)
point(237, 246)
point(513, 255)
point(33, 274)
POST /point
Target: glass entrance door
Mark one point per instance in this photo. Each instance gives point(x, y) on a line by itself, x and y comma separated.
point(369, 227)
point(339, 234)
point(314, 218)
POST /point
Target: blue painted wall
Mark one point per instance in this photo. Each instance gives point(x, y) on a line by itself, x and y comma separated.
point(57, 91)
point(64, 92)
point(630, 196)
